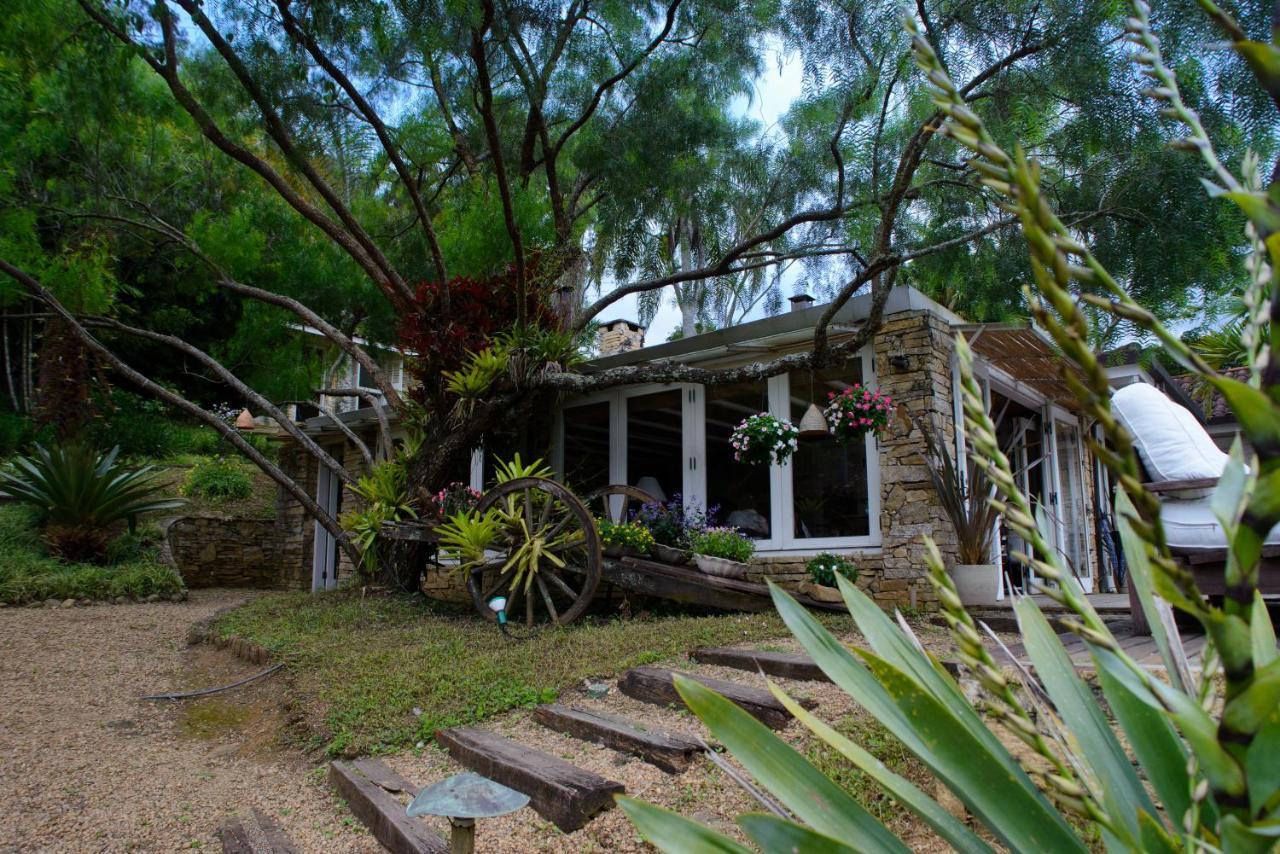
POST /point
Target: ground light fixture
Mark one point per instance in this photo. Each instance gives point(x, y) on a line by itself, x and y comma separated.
point(498, 605)
point(462, 799)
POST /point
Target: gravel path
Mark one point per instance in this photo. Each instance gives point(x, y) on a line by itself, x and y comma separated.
point(86, 766)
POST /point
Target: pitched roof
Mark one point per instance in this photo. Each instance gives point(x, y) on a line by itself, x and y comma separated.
point(1217, 411)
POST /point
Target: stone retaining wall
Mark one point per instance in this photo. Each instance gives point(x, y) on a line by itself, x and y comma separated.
point(213, 550)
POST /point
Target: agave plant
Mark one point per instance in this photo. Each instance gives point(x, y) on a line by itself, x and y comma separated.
point(80, 492)
point(1181, 762)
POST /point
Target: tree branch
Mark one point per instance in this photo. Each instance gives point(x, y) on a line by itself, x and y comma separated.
point(39, 292)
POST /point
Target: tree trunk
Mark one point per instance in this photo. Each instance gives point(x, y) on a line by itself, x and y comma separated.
point(65, 403)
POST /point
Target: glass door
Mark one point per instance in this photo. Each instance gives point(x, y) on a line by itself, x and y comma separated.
point(1069, 502)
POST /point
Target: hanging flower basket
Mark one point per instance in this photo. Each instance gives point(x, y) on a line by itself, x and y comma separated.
point(857, 411)
point(762, 439)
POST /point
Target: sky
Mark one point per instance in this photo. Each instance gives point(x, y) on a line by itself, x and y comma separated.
point(775, 89)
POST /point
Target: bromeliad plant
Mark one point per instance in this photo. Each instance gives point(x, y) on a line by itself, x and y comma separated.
point(1184, 762)
point(80, 492)
point(762, 439)
point(385, 498)
point(857, 411)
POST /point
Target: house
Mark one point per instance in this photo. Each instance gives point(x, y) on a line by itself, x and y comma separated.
point(872, 502)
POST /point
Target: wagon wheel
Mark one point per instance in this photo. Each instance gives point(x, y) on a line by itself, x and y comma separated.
point(602, 502)
point(548, 553)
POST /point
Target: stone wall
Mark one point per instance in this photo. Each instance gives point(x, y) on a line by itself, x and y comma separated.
point(213, 550)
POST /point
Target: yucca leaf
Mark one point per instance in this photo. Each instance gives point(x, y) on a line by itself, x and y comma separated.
point(1261, 632)
point(947, 826)
point(1009, 804)
point(803, 789)
point(1141, 577)
point(1199, 730)
point(1123, 795)
point(775, 834)
point(1155, 839)
point(673, 833)
point(1246, 712)
point(1263, 770)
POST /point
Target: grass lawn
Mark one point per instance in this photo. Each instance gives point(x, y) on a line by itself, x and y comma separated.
point(28, 573)
point(363, 666)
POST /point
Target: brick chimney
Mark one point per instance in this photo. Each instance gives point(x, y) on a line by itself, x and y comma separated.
point(620, 336)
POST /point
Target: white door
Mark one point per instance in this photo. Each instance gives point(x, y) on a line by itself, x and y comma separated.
point(1068, 503)
point(324, 551)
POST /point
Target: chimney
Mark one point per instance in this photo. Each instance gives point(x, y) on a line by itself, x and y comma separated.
point(800, 302)
point(620, 336)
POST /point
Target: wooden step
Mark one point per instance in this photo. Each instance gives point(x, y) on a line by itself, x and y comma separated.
point(786, 665)
point(367, 785)
point(669, 751)
point(657, 685)
point(562, 793)
point(256, 833)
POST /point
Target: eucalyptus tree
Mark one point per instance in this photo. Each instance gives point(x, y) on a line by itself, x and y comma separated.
point(462, 164)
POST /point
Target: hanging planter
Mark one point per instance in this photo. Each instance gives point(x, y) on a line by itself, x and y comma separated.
point(762, 439)
point(857, 411)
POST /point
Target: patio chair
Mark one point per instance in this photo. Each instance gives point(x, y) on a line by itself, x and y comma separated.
point(1183, 466)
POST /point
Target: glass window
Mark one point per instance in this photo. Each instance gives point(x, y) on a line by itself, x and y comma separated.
point(828, 480)
point(586, 447)
point(741, 492)
point(655, 443)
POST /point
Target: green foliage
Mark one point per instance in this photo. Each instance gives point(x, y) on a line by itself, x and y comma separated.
point(515, 468)
point(16, 431)
point(221, 479)
point(384, 498)
point(80, 492)
point(722, 542)
point(473, 379)
point(29, 574)
point(465, 536)
point(132, 546)
point(824, 568)
point(628, 535)
point(145, 427)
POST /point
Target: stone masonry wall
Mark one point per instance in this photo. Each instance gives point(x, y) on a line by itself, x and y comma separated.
point(895, 574)
point(212, 550)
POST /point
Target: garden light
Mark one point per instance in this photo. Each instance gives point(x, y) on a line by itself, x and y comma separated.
point(462, 799)
point(498, 605)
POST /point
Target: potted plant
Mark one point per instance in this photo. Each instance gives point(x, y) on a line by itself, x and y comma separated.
point(762, 439)
point(857, 411)
point(619, 538)
point(823, 570)
point(672, 525)
point(722, 552)
point(966, 501)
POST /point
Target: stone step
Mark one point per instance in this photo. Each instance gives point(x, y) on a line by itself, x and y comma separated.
point(669, 751)
point(562, 793)
point(369, 788)
point(785, 665)
point(657, 685)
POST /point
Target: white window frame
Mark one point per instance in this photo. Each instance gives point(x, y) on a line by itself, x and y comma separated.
point(694, 486)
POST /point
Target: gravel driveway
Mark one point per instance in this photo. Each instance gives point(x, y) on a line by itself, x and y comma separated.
point(86, 766)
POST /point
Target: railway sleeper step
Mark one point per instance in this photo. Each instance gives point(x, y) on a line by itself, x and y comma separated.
point(562, 793)
point(785, 665)
point(370, 789)
point(657, 685)
point(670, 751)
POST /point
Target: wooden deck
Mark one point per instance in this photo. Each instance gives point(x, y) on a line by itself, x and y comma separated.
point(1141, 648)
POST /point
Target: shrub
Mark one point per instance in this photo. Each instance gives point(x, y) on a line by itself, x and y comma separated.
point(134, 545)
point(723, 542)
point(222, 479)
point(824, 568)
point(627, 535)
point(16, 431)
point(80, 492)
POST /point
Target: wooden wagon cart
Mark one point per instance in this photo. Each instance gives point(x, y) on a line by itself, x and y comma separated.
point(548, 563)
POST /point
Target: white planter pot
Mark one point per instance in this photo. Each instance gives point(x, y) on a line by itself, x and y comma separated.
point(721, 567)
point(977, 583)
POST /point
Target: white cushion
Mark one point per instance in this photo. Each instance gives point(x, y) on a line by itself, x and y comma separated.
point(1172, 443)
point(1190, 524)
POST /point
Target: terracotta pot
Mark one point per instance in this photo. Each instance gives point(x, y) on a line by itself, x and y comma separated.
point(721, 567)
point(820, 592)
point(977, 583)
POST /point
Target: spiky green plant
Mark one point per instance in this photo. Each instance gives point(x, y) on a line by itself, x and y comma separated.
point(1184, 762)
point(80, 492)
